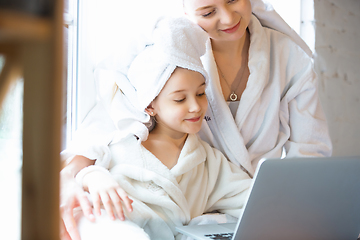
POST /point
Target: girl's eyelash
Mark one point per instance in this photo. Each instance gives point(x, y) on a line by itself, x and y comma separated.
point(179, 100)
point(201, 94)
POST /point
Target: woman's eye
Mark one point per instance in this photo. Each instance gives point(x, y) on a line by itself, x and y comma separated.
point(201, 94)
point(208, 14)
point(232, 1)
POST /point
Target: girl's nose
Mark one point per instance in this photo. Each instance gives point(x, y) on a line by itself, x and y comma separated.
point(194, 106)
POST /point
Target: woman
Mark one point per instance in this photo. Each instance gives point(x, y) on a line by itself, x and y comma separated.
point(279, 105)
point(262, 95)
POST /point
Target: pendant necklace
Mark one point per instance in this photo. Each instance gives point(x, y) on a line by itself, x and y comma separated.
point(233, 96)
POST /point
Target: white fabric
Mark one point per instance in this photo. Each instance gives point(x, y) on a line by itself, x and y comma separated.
point(268, 17)
point(177, 42)
point(203, 180)
point(105, 228)
point(279, 107)
point(92, 168)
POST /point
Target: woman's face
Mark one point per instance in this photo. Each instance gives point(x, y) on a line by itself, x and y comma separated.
point(181, 105)
point(223, 20)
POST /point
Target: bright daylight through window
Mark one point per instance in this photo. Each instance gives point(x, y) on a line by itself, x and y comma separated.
point(93, 30)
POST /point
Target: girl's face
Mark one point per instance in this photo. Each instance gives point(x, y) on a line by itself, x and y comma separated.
point(181, 105)
point(223, 20)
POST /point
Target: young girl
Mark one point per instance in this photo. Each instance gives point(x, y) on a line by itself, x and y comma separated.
point(170, 174)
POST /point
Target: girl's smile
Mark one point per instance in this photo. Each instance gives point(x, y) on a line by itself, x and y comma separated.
point(195, 119)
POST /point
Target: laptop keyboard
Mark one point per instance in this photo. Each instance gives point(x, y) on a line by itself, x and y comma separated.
point(220, 236)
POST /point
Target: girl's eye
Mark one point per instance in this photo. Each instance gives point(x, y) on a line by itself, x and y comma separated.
point(201, 94)
point(232, 1)
point(179, 100)
point(208, 14)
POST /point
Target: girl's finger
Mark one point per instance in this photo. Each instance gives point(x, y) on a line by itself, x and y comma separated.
point(127, 201)
point(115, 198)
point(107, 204)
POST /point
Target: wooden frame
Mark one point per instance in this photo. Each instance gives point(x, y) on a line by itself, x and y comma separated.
point(33, 48)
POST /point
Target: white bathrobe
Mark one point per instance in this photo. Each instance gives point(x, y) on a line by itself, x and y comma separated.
point(203, 180)
point(279, 108)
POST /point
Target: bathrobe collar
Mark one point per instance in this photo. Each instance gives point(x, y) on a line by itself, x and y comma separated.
point(226, 129)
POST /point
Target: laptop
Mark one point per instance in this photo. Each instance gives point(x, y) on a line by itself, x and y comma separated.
point(297, 199)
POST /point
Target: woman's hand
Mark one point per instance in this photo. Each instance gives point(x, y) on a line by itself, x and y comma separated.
point(104, 189)
point(72, 196)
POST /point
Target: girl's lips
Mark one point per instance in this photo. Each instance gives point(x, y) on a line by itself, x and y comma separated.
point(233, 29)
point(193, 119)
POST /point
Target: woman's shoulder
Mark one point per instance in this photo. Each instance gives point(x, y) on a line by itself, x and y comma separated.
point(275, 46)
point(283, 34)
point(282, 43)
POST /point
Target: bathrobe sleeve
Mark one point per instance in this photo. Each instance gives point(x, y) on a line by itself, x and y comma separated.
point(301, 113)
point(230, 185)
point(92, 138)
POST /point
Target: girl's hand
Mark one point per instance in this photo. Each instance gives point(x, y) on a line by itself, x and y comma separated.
point(104, 189)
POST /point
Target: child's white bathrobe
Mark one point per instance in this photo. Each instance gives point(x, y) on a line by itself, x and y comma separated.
point(280, 106)
point(203, 180)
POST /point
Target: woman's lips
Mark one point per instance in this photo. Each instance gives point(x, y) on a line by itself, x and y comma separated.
point(233, 29)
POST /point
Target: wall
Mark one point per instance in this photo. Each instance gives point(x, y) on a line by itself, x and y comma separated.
point(337, 63)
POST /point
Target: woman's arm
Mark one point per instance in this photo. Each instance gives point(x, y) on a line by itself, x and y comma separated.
point(72, 196)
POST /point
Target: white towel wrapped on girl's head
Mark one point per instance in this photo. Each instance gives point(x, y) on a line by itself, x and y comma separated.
point(174, 42)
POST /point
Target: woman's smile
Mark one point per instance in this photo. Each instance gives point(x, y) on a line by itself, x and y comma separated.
point(232, 29)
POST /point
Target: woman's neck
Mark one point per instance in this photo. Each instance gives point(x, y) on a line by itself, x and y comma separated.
point(232, 49)
point(232, 62)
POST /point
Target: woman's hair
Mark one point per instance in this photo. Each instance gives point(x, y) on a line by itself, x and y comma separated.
point(115, 89)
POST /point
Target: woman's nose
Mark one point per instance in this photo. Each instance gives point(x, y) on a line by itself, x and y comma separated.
point(226, 16)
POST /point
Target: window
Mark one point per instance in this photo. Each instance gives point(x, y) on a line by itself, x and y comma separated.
point(70, 68)
point(299, 14)
point(101, 27)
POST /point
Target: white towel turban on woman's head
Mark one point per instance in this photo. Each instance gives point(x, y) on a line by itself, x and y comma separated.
point(174, 42)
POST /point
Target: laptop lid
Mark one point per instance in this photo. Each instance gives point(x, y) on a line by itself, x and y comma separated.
point(303, 198)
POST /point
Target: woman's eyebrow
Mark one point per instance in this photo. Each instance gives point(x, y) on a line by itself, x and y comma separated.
point(203, 8)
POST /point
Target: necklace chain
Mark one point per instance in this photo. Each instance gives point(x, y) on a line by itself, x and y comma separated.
point(233, 96)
